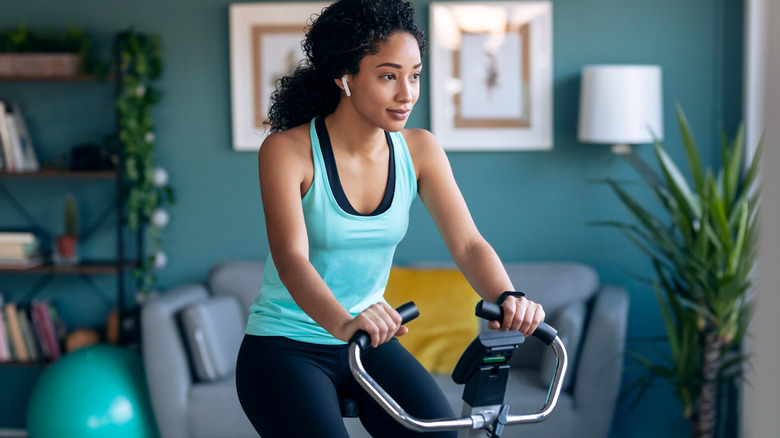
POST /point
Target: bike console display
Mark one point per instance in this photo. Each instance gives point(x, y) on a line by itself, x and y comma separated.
point(484, 367)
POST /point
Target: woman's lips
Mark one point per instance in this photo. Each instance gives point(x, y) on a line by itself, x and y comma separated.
point(399, 114)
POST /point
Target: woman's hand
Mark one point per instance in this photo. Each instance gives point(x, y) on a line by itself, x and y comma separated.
point(380, 321)
point(520, 314)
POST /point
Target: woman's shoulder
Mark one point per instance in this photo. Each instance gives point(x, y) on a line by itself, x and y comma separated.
point(290, 141)
point(292, 136)
point(421, 142)
point(289, 149)
point(419, 138)
point(425, 151)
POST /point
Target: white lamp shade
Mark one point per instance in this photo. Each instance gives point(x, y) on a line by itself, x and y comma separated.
point(621, 104)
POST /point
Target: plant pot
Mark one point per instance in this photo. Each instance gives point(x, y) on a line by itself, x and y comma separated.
point(67, 253)
point(39, 65)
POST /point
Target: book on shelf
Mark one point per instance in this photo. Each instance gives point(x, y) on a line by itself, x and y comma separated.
point(17, 339)
point(40, 331)
point(42, 312)
point(20, 264)
point(5, 340)
point(16, 145)
point(20, 250)
point(17, 237)
point(30, 333)
point(5, 141)
point(29, 157)
point(30, 339)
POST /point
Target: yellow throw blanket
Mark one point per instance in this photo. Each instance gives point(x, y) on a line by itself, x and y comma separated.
point(446, 324)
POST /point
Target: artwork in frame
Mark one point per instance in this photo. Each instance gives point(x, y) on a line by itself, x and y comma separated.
point(491, 75)
point(265, 45)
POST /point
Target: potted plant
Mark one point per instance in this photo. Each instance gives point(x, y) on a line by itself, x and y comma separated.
point(31, 54)
point(67, 243)
point(703, 250)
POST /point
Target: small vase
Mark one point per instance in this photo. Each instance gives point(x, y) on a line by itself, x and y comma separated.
point(67, 251)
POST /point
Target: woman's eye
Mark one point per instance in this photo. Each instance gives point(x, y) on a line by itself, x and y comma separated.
point(416, 76)
point(389, 76)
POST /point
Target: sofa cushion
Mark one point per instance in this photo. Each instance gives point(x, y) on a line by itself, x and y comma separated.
point(554, 284)
point(446, 324)
point(213, 330)
point(215, 412)
point(570, 323)
point(239, 278)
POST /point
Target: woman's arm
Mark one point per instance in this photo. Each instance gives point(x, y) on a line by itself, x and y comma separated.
point(286, 170)
point(471, 252)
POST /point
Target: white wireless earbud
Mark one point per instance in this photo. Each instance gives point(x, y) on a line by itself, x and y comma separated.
point(345, 86)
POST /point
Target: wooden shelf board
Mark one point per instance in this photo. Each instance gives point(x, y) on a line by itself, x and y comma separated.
point(72, 78)
point(51, 173)
point(26, 364)
point(90, 267)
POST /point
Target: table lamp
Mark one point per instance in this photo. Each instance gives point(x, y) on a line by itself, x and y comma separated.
point(621, 105)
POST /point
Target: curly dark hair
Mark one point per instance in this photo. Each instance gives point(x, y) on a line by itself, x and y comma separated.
point(336, 41)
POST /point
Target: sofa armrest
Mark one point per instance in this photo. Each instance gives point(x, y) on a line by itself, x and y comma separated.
point(597, 382)
point(165, 357)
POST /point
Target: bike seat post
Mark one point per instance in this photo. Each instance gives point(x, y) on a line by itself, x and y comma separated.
point(349, 407)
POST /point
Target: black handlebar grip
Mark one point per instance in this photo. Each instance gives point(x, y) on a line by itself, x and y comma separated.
point(489, 311)
point(494, 312)
point(407, 311)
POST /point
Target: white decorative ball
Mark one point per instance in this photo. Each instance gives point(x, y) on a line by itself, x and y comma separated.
point(159, 177)
point(160, 218)
point(160, 259)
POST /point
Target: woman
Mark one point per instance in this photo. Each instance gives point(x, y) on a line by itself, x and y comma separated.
point(337, 175)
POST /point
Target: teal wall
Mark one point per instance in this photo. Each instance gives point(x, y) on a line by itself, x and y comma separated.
point(529, 205)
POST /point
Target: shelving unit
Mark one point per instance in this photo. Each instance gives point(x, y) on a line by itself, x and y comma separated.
point(46, 179)
point(113, 203)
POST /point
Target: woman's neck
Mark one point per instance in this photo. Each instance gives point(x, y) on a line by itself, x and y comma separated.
point(353, 134)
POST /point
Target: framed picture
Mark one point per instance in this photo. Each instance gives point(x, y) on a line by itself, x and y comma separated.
point(491, 75)
point(265, 45)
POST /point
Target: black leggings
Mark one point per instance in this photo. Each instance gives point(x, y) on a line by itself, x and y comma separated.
point(291, 389)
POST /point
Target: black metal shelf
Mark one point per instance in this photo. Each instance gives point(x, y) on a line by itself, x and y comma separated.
point(46, 177)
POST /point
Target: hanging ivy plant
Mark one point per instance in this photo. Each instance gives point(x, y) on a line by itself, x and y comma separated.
point(145, 190)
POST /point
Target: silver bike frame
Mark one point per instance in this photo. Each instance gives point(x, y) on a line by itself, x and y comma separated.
point(483, 418)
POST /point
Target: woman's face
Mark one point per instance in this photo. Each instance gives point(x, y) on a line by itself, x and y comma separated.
point(388, 83)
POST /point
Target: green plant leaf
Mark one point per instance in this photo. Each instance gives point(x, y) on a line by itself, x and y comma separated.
point(717, 210)
point(732, 165)
point(690, 149)
point(676, 181)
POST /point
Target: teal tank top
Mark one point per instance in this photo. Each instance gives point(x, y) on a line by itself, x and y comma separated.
point(352, 253)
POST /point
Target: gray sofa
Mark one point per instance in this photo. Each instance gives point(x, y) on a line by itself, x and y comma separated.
point(191, 336)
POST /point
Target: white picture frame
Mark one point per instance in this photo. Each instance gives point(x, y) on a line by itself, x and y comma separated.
point(265, 44)
point(491, 75)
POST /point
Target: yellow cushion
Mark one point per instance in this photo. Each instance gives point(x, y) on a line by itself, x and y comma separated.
point(446, 324)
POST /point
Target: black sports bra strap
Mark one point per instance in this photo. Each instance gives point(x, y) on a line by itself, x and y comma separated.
point(333, 174)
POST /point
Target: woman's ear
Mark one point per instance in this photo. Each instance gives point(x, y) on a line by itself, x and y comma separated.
point(345, 85)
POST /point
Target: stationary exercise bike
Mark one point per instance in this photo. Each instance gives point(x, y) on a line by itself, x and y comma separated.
point(483, 368)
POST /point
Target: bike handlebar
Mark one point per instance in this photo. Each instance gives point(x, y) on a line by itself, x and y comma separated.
point(482, 420)
point(494, 312)
point(407, 311)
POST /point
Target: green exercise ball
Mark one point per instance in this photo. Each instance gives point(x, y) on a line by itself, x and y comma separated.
point(95, 392)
